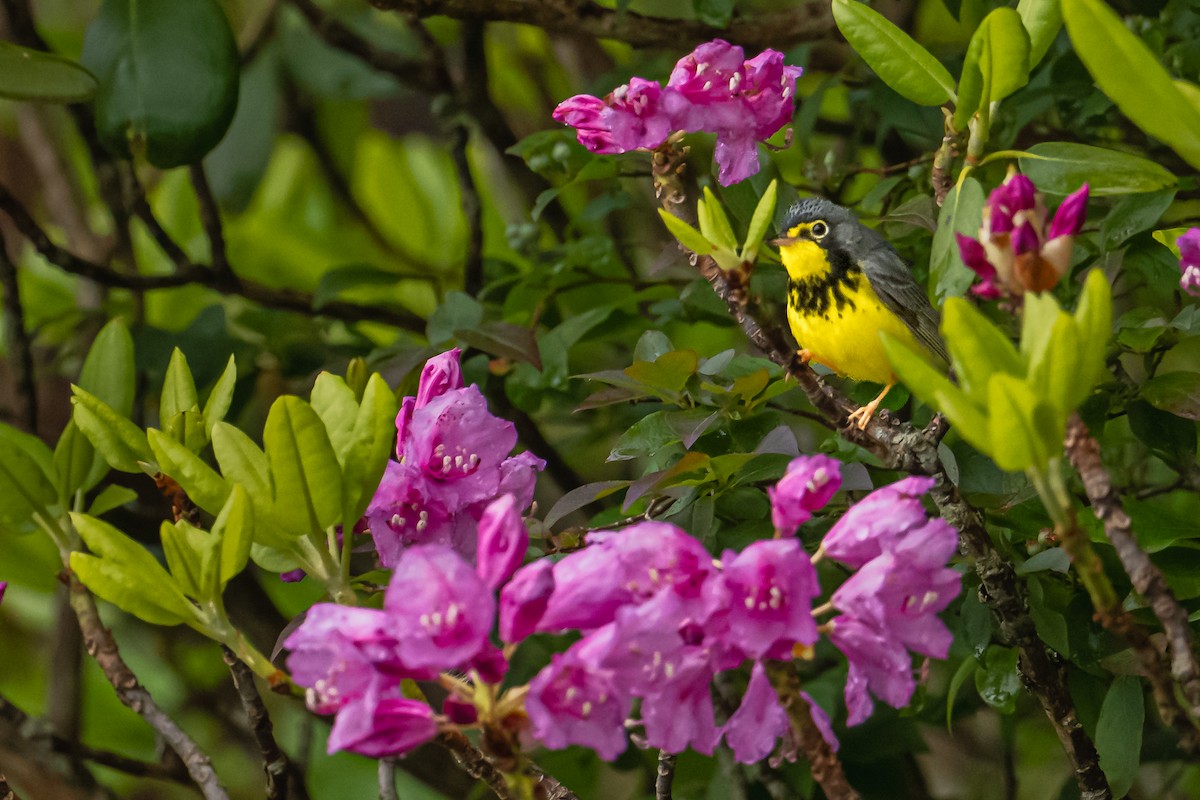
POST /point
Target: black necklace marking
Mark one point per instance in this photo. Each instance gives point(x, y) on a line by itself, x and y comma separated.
point(813, 296)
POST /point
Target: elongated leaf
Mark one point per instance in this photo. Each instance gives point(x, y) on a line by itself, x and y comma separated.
point(688, 236)
point(370, 445)
point(203, 485)
point(1119, 733)
point(242, 461)
point(714, 224)
point(235, 529)
point(192, 558)
point(122, 444)
point(108, 371)
point(1058, 377)
point(977, 346)
point(25, 489)
point(899, 61)
point(337, 407)
point(998, 682)
point(1042, 20)
point(1129, 73)
point(1093, 317)
point(305, 475)
point(219, 399)
point(110, 497)
point(1025, 431)
point(33, 447)
point(42, 77)
point(1062, 167)
point(1175, 392)
point(76, 462)
point(178, 395)
point(764, 212)
point(997, 64)
point(579, 497)
point(962, 213)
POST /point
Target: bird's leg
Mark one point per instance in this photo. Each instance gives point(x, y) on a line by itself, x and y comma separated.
point(804, 355)
point(863, 415)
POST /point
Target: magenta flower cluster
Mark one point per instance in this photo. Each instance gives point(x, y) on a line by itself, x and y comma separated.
point(712, 89)
point(1017, 249)
point(661, 618)
point(437, 615)
point(453, 459)
point(1189, 262)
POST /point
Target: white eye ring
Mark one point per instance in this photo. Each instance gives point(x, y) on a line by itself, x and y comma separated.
point(819, 230)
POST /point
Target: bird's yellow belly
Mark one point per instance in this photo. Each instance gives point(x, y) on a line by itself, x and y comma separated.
point(847, 340)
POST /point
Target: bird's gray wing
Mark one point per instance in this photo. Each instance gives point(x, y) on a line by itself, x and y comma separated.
point(893, 282)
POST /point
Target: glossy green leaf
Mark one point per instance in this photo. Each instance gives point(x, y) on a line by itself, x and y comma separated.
point(713, 12)
point(234, 527)
point(1062, 167)
point(76, 463)
point(1057, 377)
point(27, 74)
point(998, 682)
point(25, 489)
point(33, 447)
point(108, 371)
point(1042, 20)
point(965, 669)
point(1127, 71)
point(1119, 733)
point(241, 460)
point(961, 213)
point(370, 445)
point(900, 62)
point(337, 407)
point(1025, 431)
point(147, 54)
point(110, 497)
point(1037, 322)
point(127, 575)
point(1169, 437)
point(203, 485)
point(220, 398)
point(714, 223)
point(997, 64)
point(178, 396)
point(977, 347)
point(192, 558)
point(760, 223)
point(1175, 392)
point(669, 373)
point(121, 443)
point(305, 476)
point(1093, 317)
point(688, 236)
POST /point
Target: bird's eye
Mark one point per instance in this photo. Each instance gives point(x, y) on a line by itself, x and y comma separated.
point(819, 229)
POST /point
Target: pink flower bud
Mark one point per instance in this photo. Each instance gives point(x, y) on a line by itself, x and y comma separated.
point(503, 542)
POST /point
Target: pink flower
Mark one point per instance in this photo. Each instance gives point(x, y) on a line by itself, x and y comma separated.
point(879, 665)
point(806, 487)
point(1189, 262)
point(439, 609)
point(382, 725)
point(875, 523)
point(821, 720)
point(627, 119)
point(523, 600)
point(760, 720)
point(573, 702)
point(3, 586)
point(1017, 249)
point(503, 541)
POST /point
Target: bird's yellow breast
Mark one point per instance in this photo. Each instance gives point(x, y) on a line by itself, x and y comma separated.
point(836, 315)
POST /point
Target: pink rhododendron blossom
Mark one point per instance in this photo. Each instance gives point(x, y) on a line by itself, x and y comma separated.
point(711, 89)
point(381, 726)
point(3, 586)
point(759, 721)
point(878, 664)
point(573, 702)
point(523, 600)
point(1189, 261)
point(821, 720)
point(768, 592)
point(1018, 248)
point(806, 487)
point(874, 523)
point(503, 541)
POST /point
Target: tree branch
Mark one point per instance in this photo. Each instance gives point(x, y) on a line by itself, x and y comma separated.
point(102, 647)
point(826, 767)
point(805, 22)
point(275, 761)
point(665, 777)
point(192, 273)
point(21, 347)
point(210, 219)
point(387, 779)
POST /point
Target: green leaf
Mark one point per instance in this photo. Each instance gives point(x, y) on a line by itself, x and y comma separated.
point(935, 390)
point(977, 347)
point(41, 77)
point(1119, 733)
point(109, 371)
point(25, 489)
point(1057, 377)
point(1042, 20)
point(241, 460)
point(998, 683)
point(688, 236)
point(192, 558)
point(1093, 318)
point(33, 447)
point(337, 407)
point(967, 667)
point(760, 222)
point(110, 497)
point(178, 396)
point(203, 485)
point(126, 575)
point(121, 443)
point(370, 445)
point(669, 373)
point(1062, 167)
point(658, 430)
point(339, 280)
point(1175, 392)
point(235, 529)
point(1127, 71)
point(962, 213)
point(221, 396)
point(1025, 431)
point(1132, 215)
point(714, 224)
point(899, 61)
point(76, 462)
point(716, 13)
point(305, 476)
point(147, 54)
point(997, 64)
point(1169, 437)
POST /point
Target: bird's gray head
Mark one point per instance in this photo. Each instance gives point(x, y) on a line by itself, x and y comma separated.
point(812, 209)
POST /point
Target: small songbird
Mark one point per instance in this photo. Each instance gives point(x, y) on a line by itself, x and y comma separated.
point(845, 285)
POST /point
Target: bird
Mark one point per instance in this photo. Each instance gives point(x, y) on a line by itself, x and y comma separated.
point(846, 285)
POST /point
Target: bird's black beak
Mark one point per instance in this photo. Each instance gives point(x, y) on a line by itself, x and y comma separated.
point(785, 240)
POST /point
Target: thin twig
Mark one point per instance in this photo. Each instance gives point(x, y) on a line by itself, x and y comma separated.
point(21, 346)
point(826, 767)
point(275, 761)
point(474, 763)
point(387, 779)
point(210, 219)
point(665, 776)
point(475, 71)
point(191, 273)
point(102, 647)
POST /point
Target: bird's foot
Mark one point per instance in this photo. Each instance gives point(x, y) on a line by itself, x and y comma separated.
point(805, 356)
point(861, 417)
